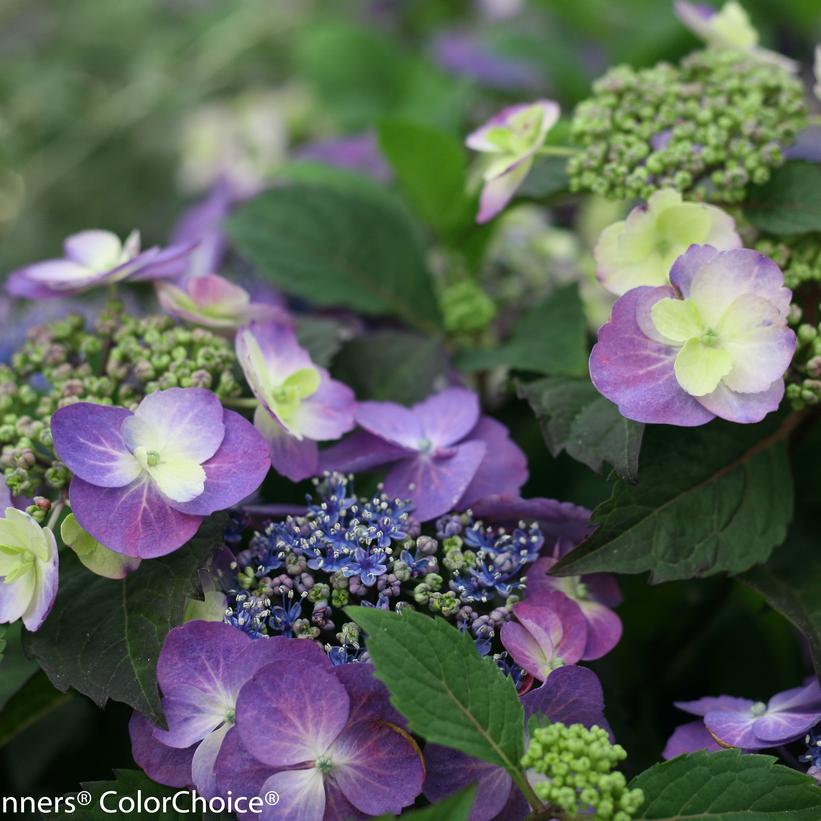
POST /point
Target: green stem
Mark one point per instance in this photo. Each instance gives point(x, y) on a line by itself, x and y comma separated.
point(535, 802)
point(56, 510)
point(240, 402)
point(557, 151)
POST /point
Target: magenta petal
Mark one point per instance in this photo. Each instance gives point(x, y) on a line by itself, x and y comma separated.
point(733, 729)
point(192, 714)
point(745, 408)
point(800, 699)
point(571, 695)
point(689, 264)
point(562, 620)
point(88, 439)
point(165, 765)
point(434, 484)
point(287, 716)
point(448, 771)
point(773, 728)
point(235, 471)
point(135, 520)
point(394, 423)
point(381, 769)
point(327, 414)
point(447, 417)
point(636, 372)
point(689, 738)
point(526, 650)
point(296, 459)
point(278, 649)
point(702, 706)
point(504, 468)
point(205, 757)
point(369, 698)
point(301, 796)
point(603, 588)
point(603, 630)
point(358, 452)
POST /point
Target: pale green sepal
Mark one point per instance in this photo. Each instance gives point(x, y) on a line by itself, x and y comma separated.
point(95, 557)
point(211, 609)
point(677, 319)
point(699, 367)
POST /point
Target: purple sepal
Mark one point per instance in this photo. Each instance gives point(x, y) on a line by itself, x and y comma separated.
point(690, 738)
point(163, 764)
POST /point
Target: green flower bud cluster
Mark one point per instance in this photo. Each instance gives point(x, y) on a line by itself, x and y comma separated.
point(578, 763)
point(711, 125)
point(804, 377)
point(798, 257)
point(466, 308)
point(117, 361)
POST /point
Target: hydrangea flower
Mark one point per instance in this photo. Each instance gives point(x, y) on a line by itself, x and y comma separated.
point(443, 456)
point(641, 249)
point(95, 258)
point(28, 566)
point(325, 739)
point(144, 481)
point(299, 403)
point(214, 302)
point(355, 152)
point(511, 139)
point(595, 594)
point(550, 631)
point(713, 343)
point(570, 695)
point(201, 669)
point(728, 29)
point(748, 724)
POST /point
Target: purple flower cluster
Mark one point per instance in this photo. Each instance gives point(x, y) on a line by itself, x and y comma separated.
point(246, 718)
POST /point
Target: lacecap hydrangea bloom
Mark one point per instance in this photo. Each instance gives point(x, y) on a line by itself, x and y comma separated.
point(28, 566)
point(144, 480)
point(641, 249)
point(715, 342)
point(299, 403)
point(511, 139)
point(94, 258)
point(728, 721)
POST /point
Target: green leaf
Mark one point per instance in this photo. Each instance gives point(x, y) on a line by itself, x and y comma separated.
point(790, 203)
point(714, 499)
point(34, 699)
point(791, 582)
point(431, 167)
point(391, 366)
point(337, 248)
point(550, 339)
point(447, 691)
point(15, 668)
point(322, 337)
point(547, 178)
point(726, 786)
point(96, 557)
point(574, 417)
point(453, 808)
point(103, 637)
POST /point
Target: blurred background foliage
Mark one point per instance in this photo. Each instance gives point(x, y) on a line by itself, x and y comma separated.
point(113, 114)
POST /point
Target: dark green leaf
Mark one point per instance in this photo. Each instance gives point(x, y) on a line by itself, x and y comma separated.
point(322, 337)
point(727, 786)
point(453, 808)
point(791, 582)
point(714, 499)
point(575, 417)
point(34, 699)
point(439, 682)
point(550, 338)
point(391, 366)
point(431, 167)
point(15, 668)
point(547, 178)
point(790, 203)
point(337, 248)
point(103, 637)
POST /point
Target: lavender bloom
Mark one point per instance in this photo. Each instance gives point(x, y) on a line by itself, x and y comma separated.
point(461, 53)
point(325, 739)
point(714, 343)
point(570, 695)
point(595, 594)
point(94, 258)
point(201, 670)
point(442, 455)
point(750, 725)
point(550, 631)
point(512, 139)
point(144, 481)
point(356, 152)
point(299, 403)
